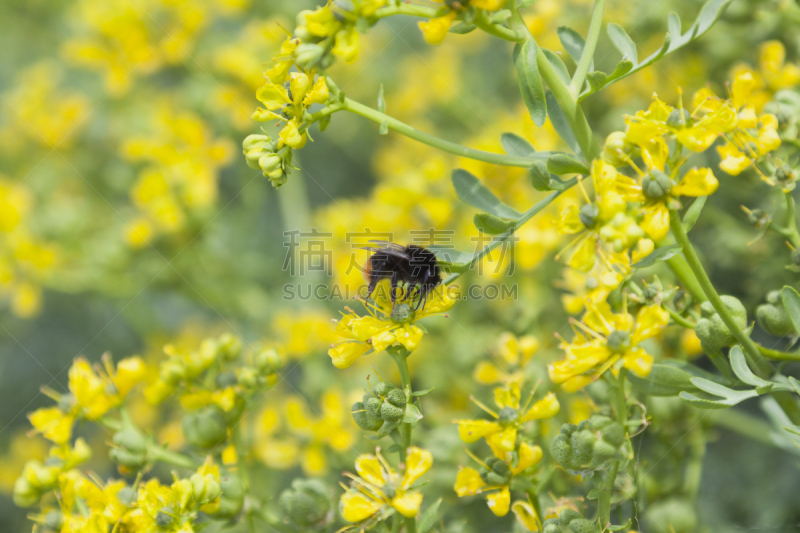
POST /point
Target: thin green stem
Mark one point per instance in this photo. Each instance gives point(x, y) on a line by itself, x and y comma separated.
point(157, 453)
point(681, 321)
point(500, 239)
point(573, 112)
point(400, 356)
point(244, 476)
point(482, 21)
point(789, 228)
point(621, 415)
point(754, 357)
point(411, 10)
point(681, 269)
point(588, 49)
point(437, 142)
point(778, 354)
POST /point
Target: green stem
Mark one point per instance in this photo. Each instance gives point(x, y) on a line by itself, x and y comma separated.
point(681, 269)
point(500, 239)
point(482, 21)
point(789, 228)
point(681, 321)
point(621, 412)
point(746, 425)
point(244, 476)
point(437, 142)
point(588, 49)
point(157, 453)
point(777, 354)
point(573, 112)
point(754, 357)
point(400, 356)
point(411, 10)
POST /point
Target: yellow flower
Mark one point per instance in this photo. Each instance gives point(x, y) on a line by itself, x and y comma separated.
point(496, 474)
point(526, 515)
point(436, 29)
point(607, 340)
point(385, 325)
point(502, 434)
point(595, 285)
point(379, 491)
point(777, 73)
point(91, 396)
point(512, 354)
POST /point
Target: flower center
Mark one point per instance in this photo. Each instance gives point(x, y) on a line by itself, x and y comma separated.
point(618, 341)
point(507, 415)
point(402, 314)
point(389, 491)
point(588, 215)
point(679, 119)
point(656, 185)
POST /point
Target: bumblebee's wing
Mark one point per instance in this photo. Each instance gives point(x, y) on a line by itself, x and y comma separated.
point(389, 248)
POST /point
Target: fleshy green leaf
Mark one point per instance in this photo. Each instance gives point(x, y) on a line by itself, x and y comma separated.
point(462, 28)
point(559, 65)
point(530, 83)
point(729, 397)
point(515, 145)
point(560, 164)
point(664, 380)
point(743, 372)
point(560, 123)
point(791, 302)
point(421, 392)
point(491, 224)
point(472, 191)
point(412, 414)
point(428, 518)
point(659, 254)
point(693, 213)
point(708, 15)
point(573, 43)
point(623, 42)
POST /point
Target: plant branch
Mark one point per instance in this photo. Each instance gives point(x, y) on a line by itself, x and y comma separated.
point(588, 49)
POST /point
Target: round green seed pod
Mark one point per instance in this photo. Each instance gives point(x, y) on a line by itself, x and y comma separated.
point(775, 320)
point(231, 497)
point(581, 525)
point(561, 450)
point(206, 427)
point(567, 516)
point(364, 418)
point(306, 504)
point(613, 434)
point(373, 406)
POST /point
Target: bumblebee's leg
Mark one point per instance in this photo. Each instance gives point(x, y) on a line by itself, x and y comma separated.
point(372, 284)
point(394, 288)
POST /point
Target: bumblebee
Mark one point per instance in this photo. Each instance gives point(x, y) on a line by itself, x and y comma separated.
point(413, 266)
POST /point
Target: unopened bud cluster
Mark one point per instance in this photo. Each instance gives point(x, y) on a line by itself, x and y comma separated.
point(569, 521)
point(588, 446)
point(381, 410)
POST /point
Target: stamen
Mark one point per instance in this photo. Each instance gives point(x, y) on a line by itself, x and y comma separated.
point(475, 458)
point(586, 328)
point(482, 406)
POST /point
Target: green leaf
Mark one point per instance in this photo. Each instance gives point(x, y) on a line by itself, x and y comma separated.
point(421, 392)
point(530, 83)
point(515, 145)
point(462, 27)
point(693, 213)
point(560, 164)
point(708, 15)
point(791, 302)
point(573, 43)
point(543, 180)
point(664, 380)
point(743, 372)
point(594, 494)
point(623, 42)
point(428, 518)
point(702, 403)
point(381, 100)
point(412, 414)
point(596, 80)
point(560, 123)
point(659, 254)
point(558, 64)
point(450, 259)
point(493, 225)
point(731, 397)
point(472, 191)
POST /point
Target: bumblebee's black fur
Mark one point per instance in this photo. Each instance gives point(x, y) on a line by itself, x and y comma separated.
point(412, 265)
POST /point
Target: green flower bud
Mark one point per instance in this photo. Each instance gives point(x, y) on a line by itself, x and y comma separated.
point(551, 526)
point(164, 517)
point(25, 495)
point(301, 30)
point(393, 407)
point(127, 496)
point(231, 498)
point(172, 372)
point(365, 419)
point(507, 415)
point(309, 56)
point(254, 146)
point(53, 520)
point(247, 378)
point(206, 427)
point(712, 331)
point(130, 439)
point(618, 341)
point(229, 346)
point(567, 516)
point(127, 458)
point(307, 504)
point(587, 447)
point(679, 118)
point(775, 320)
point(498, 473)
point(271, 165)
point(674, 514)
point(268, 361)
point(656, 185)
point(588, 215)
point(759, 218)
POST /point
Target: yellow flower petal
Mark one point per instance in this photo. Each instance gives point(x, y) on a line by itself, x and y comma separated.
point(468, 482)
point(472, 430)
point(569, 221)
point(345, 354)
point(408, 504)
point(499, 501)
point(130, 371)
point(528, 456)
point(526, 516)
point(638, 361)
point(547, 407)
point(583, 257)
point(650, 321)
point(356, 507)
point(369, 468)
point(507, 396)
point(487, 373)
point(435, 30)
point(656, 221)
point(696, 182)
point(734, 162)
point(418, 461)
point(52, 423)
